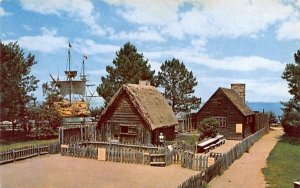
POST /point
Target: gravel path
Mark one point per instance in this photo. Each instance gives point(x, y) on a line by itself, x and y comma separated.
point(59, 171)
point(246, 171)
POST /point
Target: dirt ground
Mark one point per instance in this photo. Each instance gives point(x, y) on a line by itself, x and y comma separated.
point(59, 171)
point(225, 147)
point(246, 171)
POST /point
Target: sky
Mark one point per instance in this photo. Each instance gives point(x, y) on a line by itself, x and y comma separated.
point(221, 41)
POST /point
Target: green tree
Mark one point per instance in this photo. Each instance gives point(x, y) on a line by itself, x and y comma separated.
point(17, 83)
point(46, 120)
point(291, 111)
point(179, 85)
point(129, 67)
point(272, 118)
point(208, 128)
point(52, 93)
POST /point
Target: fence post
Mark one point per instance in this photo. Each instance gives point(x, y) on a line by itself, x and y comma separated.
point(14, 155)
point(62, 135)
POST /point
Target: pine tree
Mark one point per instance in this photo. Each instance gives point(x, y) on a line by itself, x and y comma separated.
point(129, 67)
point(291, 110)
point(179, 85)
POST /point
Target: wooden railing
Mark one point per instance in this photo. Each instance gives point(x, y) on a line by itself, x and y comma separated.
point(113, 152)
point(13, 155)
point(223, 162)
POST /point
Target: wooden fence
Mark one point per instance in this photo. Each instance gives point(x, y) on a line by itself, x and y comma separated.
point(113, 152)
point(28, 152)
point(222, 162)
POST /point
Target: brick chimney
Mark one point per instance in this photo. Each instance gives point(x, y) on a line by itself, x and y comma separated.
point(240, 89)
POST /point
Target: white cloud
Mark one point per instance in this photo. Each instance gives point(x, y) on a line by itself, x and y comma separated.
point(27, 27)
point(236, 63)
point(80, 9)
point(46, 42)
point(142, 34)
point(89, 47)
point(239, 63)
point(147, 12)
point(289, 30)
point(4, 13)
point(261, 89)
point(207, 18)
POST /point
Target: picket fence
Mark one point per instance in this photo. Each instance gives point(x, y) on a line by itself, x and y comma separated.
point(222, 162)
point(113, 152)
point(21, 153)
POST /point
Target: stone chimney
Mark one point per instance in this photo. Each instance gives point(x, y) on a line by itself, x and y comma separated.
point(144, 82)
point(240, 89)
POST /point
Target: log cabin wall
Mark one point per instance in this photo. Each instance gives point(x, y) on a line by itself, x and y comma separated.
point(220, 106)
point(124, 123)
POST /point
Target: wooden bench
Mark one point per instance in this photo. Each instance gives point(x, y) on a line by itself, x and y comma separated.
point(157, 159)
point(210, 144)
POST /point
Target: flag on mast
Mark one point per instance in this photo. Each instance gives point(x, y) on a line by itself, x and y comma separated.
point(70, 45)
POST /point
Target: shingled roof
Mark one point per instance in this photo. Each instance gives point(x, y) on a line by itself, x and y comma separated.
point(237, 100)
point(149, 102)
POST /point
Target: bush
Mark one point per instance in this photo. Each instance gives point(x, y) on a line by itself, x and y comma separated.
point(291, 123)
point(208, 128)
point(46, 121)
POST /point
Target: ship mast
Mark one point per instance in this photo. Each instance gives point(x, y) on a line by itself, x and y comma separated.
point(70, 74)
point(69, 77)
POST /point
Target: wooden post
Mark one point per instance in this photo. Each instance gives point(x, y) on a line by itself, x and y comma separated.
point(81, 133)
point(59, 134)
point(62, 135)
point(14, 155)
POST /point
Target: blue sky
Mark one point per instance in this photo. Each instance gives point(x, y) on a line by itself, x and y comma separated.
point(222, 42)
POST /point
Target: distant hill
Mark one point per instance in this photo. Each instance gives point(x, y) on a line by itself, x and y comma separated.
point(266, 107)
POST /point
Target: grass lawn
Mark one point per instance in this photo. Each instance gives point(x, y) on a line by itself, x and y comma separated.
point(24, 144)
point(283, 164)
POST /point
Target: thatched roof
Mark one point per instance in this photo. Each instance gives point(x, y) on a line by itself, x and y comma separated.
point(149, 102)
point(237, 101)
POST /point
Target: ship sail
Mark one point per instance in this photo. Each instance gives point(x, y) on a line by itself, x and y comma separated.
point(78, 87)
point(69, 87)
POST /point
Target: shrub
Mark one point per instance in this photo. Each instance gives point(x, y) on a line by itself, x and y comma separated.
point(291, 123)
point(208, 128)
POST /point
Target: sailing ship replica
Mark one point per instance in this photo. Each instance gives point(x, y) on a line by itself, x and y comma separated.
point(70, 107)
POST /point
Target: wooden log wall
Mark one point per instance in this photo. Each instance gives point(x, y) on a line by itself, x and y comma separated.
point(124, 113)
point(220, 106)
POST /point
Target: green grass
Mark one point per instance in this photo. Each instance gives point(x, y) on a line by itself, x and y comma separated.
point(283, 164)
point(24, 144)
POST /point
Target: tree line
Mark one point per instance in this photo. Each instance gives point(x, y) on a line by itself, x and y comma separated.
point(129, 66)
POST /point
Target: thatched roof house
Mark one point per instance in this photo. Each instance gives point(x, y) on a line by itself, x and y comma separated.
point(229, 107)
point(137, 114)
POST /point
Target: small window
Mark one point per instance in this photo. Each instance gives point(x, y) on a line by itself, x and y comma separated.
point(222, 121)
point(128, 129)
point(219, 102)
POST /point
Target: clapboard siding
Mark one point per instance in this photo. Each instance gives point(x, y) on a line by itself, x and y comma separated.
point(122, 113)
point(136, 114)
point(125, 112)
point(220, 105)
